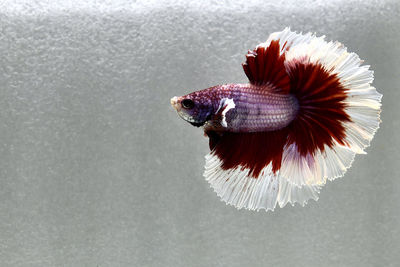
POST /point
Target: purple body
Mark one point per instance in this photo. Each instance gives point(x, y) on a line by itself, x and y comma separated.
point(255, 109)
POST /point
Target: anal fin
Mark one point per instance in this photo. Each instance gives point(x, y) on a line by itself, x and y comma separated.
point(253, 151)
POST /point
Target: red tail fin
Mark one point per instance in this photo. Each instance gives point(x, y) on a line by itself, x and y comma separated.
point(321, 108)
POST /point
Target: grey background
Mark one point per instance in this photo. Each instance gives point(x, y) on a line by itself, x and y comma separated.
point(96, 169)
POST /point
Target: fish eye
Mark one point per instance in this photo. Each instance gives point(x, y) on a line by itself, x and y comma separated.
point(187, 103)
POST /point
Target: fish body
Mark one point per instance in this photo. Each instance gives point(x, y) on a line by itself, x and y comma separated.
point(308, 109)
point(243, 108)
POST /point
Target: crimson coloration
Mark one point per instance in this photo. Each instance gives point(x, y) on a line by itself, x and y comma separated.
point(307, 110)
point(266, 65)
point(322, 110)
point(251, 150)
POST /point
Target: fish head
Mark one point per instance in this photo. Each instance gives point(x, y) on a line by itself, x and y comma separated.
point(195, 108)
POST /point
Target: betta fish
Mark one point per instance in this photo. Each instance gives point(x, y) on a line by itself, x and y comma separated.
point(308, 108)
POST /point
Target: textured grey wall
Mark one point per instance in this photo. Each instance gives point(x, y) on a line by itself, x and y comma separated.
point(96, 169)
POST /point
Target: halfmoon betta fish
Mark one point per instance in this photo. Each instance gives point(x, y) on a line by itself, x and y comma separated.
point(308, 108)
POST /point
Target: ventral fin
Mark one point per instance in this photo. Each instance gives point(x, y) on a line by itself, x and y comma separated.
point(265, 65)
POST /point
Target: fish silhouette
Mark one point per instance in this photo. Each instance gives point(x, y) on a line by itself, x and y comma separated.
point(308, 108)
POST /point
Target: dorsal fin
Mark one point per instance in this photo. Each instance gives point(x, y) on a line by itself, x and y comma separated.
point(265, 65)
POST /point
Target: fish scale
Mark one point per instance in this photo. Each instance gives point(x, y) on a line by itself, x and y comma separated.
point(257, 109)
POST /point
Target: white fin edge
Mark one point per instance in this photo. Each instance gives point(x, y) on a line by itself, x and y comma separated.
point(315, 169)
point(362, 105)
point(235, 187)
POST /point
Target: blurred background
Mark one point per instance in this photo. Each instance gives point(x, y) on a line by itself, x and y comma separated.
point(96, 169)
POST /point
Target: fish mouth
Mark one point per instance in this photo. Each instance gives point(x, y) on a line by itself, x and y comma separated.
point(175, 103)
